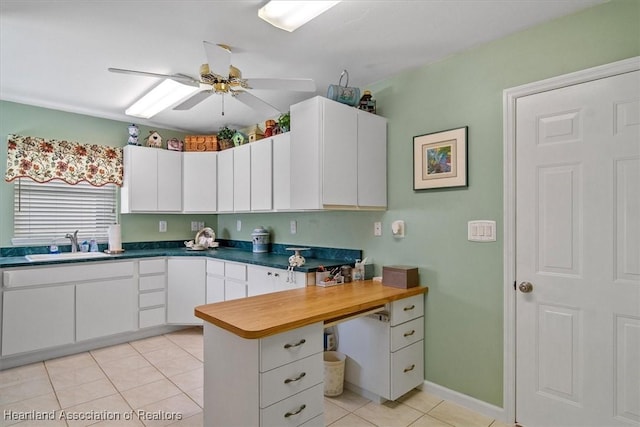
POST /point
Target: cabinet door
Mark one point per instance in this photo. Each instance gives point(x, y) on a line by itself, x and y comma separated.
point(105, 308)
point(234, 290)
point(242, 178)
point(260, 280)
point(169, 179)
point(306, 157)
point(33, 319)
point(282, 171)
point(261, 175)
point(215, 289)
point(372, 160)
point(340, 151)
point(140, 179)
point(186, 286)
point(199, 182)
point(225, 180)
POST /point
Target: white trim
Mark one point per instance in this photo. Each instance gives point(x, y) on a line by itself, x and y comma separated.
point(465, 401)
point(509, 98)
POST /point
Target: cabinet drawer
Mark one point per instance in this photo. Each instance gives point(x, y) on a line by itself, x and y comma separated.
point(66, 274)
point(290, 346)
point(295, 410)
point(152, 266)
point(407, 309)
point(235, 271)
point(315, 422)
point(280, 383)
point(407, 369)
point(215, 267)
point(153, 317)
point(147, 283)
point(152, 298)
point(407, 333)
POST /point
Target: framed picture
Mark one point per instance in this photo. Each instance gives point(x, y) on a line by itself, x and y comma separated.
point(440, 159)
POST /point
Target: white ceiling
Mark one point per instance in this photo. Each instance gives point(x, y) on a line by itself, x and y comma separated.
point(55, 54)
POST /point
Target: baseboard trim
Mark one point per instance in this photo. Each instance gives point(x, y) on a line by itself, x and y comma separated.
point(465, 401)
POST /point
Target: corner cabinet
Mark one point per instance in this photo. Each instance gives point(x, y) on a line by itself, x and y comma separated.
point(338, 157)
point(152, 180)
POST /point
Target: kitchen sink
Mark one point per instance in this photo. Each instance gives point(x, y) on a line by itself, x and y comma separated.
point(65, 255)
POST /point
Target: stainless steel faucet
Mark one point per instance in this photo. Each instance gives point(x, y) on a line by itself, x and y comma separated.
point(74, 240)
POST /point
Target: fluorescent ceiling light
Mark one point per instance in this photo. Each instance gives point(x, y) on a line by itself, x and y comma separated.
point(289, 15)
point(163, 96)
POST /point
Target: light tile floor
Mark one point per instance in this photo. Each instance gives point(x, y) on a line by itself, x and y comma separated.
point(163, 375)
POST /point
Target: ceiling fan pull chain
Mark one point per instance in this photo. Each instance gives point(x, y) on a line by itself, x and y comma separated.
point(222, 104)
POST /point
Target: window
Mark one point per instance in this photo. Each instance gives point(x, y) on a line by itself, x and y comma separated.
point(44, 212)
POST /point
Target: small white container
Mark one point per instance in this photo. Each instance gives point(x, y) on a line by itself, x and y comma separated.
point(333, 373)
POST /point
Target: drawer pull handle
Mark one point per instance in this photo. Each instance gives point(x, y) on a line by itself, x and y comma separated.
point(290, 414)
point(410, 368)
point(288, 346)
point(411, 307)
point(408, 334)
point(298, 378)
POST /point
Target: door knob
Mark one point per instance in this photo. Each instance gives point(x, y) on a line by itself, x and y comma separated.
point(525, 287)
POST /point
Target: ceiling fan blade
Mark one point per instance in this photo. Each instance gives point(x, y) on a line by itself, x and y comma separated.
point(179, 77)
point(194, 100)
point(297, 85)
point(218, 58)
point(256, 103)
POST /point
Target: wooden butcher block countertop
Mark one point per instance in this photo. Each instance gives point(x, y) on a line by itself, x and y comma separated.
point(269, 314)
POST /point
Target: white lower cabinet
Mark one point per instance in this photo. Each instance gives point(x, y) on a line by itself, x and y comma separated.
point(186, 285)
point(264, 280)
point(152, 297)
point(215, 281)
point(394, 349)
point(272, 381)
point(105, 308)
point(33, 319)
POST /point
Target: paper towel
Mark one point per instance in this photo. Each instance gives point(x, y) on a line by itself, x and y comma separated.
point(115, 238)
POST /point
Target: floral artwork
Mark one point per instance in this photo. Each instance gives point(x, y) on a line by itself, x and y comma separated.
point(44, 160)
point(440, 159)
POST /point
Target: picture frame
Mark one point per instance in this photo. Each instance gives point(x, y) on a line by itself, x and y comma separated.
point(440, 159)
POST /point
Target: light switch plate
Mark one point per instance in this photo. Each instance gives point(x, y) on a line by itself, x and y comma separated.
point(238, 225)
point(481, 231)
point(162, 226)
point(293, 225)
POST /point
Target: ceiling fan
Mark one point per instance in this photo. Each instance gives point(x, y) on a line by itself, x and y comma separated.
point(218, 76)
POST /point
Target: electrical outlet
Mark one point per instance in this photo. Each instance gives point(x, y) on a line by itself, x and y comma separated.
point(194, 226)
point(238, 225)
point(377, 229)
point(200, 225)
point(162, 226)
point(293, 226)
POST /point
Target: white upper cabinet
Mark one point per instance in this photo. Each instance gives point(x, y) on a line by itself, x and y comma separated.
point(261, 175)
point(199, 182)
point(242, 178)
point(281, 171)
point(152, 180)
point(338, 157)
point(225, 180)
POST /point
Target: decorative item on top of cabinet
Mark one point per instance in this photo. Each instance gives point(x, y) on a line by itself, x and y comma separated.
point(269, 128)
point(239, 139)
point(224, 137)
point(133, 134)
point(154, 139)
point(201, 143)
point(255, 134)
point(367, 103)
point(174, 144)
point(284, 122)
point(344, 94)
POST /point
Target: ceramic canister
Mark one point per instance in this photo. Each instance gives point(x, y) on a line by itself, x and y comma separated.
point(260, 239)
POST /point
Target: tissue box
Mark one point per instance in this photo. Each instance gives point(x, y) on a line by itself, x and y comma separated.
point(400, 276)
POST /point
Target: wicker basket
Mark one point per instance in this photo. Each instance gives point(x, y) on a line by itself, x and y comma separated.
point(225, 143)
point(201, 143)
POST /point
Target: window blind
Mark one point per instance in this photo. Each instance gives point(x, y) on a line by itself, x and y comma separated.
point(44, 212)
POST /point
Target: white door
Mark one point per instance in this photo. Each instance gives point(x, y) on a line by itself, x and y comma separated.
point(578, 245)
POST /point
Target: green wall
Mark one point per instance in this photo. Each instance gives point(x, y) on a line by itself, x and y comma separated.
point(464, 311)
point(33, 121)
point(464, 323)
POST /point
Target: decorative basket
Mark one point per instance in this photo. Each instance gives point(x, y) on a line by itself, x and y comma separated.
point(225, 144)
point(201, 143)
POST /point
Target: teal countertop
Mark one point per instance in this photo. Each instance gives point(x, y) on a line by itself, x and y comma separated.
point(224, 253)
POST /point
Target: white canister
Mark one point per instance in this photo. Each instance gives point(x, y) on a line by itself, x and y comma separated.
point(260, 239)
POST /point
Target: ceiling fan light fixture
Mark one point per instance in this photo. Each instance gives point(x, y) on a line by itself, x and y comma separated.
point(290, 15)
point(161, 97)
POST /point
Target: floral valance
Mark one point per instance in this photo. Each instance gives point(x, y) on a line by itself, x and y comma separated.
point(45, 159)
